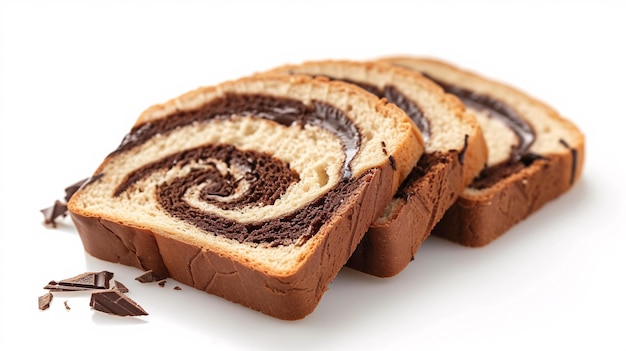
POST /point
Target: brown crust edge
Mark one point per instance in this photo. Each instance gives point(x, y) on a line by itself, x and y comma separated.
point(289, 297)
point(476, 221)
point(387, 248)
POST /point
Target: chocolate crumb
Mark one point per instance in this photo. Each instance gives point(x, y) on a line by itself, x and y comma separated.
point(178, 288)
point(392, 160)
point(59, 209)
point(116, 303)
point(148, 277)
point(67, 306)
point(81, 282)
point(44, 301)
point(162, 283)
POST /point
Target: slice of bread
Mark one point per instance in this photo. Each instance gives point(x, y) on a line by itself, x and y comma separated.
point(455, 154)
point(535, 154)
point(257, 189)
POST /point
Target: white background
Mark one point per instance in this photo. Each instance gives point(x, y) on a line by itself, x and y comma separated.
point(76, 74)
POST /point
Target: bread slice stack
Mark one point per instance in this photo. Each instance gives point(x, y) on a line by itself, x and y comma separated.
point(535, 155)
point(257, 190)
point(260, 189)
point(455, 152)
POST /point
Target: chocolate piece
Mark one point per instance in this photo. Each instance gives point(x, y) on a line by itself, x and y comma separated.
point(60, 208)
point(53, 212)
point(44, 301)
point(70, 190)
point(119, 286)
point(284, 111)
point(115, 302)
point(81, 282)
point(162, 283)
point(178, 288)
point(149, 276)
point(67, 306)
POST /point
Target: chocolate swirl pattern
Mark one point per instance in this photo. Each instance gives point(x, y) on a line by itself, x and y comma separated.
point(256, 190)
point(493, 108)
point(208, 185)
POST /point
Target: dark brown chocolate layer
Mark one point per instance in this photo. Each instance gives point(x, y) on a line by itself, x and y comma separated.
point(290, 228)
point(520, 156)
point(574, 153)
point(491, 175)
point(265, 178)
point(281, 110)
point(495, 109)
point(407, 188)
point(392, 94)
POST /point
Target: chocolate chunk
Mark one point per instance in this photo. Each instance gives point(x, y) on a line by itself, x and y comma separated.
point(162, 283)
point(70, 190)
point(116, 303)
point(81, 282)
point(149, 277)
point(120, 287)
point(67, 306)
point(60, 208)
point(44, 301)
point(53, 212)
point(178, 288)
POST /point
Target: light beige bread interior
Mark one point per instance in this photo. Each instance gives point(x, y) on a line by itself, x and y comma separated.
point(455, 152)
point(122, 215)
point(527, 173)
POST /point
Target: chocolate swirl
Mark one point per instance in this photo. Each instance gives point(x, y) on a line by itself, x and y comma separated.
point(499, 110)
point(207, 184)
point(394, 95)
point(251, 179)
point(281, 110)
point(520, 156)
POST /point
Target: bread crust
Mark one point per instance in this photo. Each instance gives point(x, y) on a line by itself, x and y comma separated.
point(287, 293)
point(480, 216)
point(285, 296)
